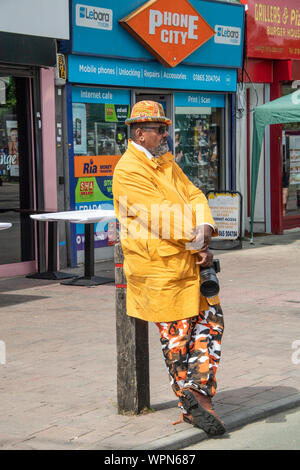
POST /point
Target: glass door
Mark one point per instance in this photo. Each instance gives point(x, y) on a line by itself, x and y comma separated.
point(291, 172)
point(290, 168)
point(199, 140)
point(16, 180)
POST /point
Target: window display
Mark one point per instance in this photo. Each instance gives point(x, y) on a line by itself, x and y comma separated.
point(198, 143)
point(9, 154)
point(99, 140)
point(291, 173)
point(290, 163)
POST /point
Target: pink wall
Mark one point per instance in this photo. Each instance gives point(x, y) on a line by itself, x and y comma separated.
point(49, 138)
point(18, 269)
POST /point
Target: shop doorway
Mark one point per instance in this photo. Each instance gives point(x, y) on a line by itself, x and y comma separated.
point(197, 141)
point(291, 172)
point(16, 169)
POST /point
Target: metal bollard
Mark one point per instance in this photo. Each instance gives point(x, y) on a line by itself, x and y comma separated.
point(133, 389)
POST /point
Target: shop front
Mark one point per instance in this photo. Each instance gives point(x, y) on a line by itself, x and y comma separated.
point(272, 70)
point(27, 152)
point(21, 150)
point(184, 55)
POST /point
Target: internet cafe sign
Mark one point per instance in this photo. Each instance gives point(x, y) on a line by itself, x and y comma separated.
point(170, 29)
point(273, 29)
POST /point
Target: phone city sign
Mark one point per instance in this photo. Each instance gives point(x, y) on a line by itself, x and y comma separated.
point(170, 29)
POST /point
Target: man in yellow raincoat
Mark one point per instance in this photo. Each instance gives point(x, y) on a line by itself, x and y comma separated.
point(166, 226)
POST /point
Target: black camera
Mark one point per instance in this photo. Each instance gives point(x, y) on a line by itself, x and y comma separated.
point(209, 284)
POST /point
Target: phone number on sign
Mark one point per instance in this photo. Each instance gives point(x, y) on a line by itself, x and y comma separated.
point(228, 233)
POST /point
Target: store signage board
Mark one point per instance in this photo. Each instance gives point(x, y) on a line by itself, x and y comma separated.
point(170, 29)
point(36, 18)
point(199, 100)
point(114, 72)
point(225, 208)
point(96, 30)
point(96, 95)
point(273, 29)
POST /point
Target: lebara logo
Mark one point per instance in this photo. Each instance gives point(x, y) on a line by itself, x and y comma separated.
point(94, 17)
point(227, 35)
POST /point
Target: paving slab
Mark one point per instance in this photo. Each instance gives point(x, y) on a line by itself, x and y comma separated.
point(58, 385)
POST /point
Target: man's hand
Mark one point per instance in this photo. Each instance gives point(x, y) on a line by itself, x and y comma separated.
point(205, 258)
point(202, 236)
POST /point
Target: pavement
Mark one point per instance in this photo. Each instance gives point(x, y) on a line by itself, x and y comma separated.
point(58, 384)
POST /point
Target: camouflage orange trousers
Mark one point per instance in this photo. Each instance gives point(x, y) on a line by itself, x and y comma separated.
point(192, 350)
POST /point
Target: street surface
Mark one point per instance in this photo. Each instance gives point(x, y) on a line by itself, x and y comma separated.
point(58, 369)
point(278, 432)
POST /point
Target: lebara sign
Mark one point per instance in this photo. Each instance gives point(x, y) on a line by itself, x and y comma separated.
point(93, 17)
point(170, 30)
point(227, 35)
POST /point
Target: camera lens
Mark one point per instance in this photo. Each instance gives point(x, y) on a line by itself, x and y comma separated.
point(209, 284)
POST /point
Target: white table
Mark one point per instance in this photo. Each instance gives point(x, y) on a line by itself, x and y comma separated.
point(5, 225)
point(88, 218)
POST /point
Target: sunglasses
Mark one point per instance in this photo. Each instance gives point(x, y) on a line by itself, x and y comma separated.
point(161, 129)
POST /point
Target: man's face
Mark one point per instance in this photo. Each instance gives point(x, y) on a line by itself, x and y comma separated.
point(14, 135)
point(154, 137)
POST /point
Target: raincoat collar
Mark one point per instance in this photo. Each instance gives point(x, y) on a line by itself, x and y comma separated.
point(155, 161)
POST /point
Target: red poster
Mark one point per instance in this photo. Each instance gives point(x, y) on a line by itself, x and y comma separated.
point(273, 29)
point(95, 166)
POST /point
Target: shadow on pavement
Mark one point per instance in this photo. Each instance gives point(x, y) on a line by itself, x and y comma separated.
point(12, 299)
point(241, 398)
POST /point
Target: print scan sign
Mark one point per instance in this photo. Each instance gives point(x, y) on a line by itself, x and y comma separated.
point(170, 29)
point(225, 208)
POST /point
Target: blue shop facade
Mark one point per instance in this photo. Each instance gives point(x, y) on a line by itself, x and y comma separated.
point(109, 70)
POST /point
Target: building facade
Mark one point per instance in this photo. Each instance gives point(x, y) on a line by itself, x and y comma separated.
point(28, 176)
point(271, 70)
point(185, 55)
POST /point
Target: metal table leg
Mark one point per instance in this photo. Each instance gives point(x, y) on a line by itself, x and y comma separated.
point(52, 273)
point(89, 278)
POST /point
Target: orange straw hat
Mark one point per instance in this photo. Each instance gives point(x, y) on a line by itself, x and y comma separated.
point(147, 111)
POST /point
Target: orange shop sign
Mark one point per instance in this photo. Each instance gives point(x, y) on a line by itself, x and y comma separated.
point(98, 165)
point(170, 29)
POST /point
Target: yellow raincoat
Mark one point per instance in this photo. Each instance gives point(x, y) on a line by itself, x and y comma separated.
point(157, 206)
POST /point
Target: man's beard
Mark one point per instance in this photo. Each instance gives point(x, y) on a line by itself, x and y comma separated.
point(161, 149)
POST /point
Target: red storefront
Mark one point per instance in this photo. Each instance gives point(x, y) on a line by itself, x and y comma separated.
point(273, 57)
